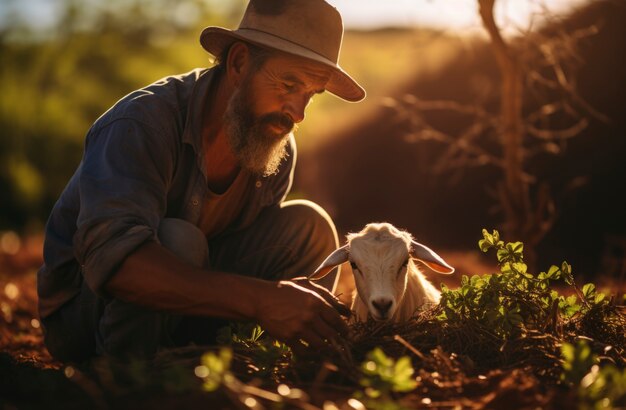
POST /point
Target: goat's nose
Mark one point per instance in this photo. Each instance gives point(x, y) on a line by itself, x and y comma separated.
point(382, 305)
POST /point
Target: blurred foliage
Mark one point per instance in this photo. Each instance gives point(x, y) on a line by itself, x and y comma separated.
point(597, 387)
point(56, 81)
point(382, 377)
point(215, 368)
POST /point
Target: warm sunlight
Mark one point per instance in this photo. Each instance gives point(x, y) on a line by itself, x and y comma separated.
point(460, 15)
point(442, 227)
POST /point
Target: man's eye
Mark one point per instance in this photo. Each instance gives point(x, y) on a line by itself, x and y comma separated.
point(289, 86)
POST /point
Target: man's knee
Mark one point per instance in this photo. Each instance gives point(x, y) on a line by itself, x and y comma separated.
point(185, 240)
point(310, 224)
point(312, 234)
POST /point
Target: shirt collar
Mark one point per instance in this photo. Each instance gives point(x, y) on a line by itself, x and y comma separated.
point(196, 109)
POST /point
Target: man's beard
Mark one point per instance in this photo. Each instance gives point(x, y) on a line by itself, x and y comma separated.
point(258, 147)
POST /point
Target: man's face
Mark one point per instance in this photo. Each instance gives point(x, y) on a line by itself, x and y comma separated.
point(263, 111)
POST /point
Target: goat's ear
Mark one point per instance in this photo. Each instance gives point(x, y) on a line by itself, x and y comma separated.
point(338, 257)
point(430, 258)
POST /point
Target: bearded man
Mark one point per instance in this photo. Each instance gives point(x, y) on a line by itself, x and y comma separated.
point(176, 215)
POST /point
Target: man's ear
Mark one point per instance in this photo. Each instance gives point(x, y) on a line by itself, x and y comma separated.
point(237, 63)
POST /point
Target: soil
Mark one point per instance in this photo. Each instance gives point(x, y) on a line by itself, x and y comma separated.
point(31, 378)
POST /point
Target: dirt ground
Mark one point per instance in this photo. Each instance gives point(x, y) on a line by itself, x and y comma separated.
point(30, 378)
point(20, 330)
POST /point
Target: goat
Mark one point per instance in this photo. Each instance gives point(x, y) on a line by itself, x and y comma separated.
point(389, 286)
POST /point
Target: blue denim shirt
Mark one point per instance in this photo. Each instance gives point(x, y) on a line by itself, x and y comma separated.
point(142, 162)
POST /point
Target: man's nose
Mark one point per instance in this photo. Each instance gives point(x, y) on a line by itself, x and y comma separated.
point(295, 108)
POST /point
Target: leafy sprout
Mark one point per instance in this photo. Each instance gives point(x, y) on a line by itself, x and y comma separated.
point(383, 375)
point(215, 369)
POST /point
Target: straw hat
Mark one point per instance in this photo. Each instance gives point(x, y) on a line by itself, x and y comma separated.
point(307, 28)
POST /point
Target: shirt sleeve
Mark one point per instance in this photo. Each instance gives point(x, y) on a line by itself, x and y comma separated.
point(123, 196)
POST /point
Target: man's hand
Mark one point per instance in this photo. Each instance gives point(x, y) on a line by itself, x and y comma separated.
point(299, 311)
point(323, 292)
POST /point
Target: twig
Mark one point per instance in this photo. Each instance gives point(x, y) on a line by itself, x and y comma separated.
point(406, 344)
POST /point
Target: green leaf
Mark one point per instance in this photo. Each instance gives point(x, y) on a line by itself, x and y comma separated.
point(517, 247)
point(382, 374)
point(521, 268)
point(257, 332)
point(373, 393)
point(567, 352)
point(403, 368)
point(217, 366)
point(379, 357)
point(503, 255)
point(566, 268)
point(589, 290)
point(567, 273)
point(554, 272)
point(571, 310)
point(487, 236)
point(577, 360)
point(506, 268)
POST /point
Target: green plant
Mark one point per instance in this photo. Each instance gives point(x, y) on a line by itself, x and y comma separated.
point(515, 300)
point(214, 369)
point(267, 354)
point(383, 376)
point(597, 387)
point(577, 360)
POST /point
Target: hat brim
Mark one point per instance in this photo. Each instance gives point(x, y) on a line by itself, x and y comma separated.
point(216, 39)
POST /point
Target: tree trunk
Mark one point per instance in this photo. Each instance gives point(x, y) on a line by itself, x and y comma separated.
point(514, 191)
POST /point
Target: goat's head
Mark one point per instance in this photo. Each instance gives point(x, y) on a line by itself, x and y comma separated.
point(379, 256)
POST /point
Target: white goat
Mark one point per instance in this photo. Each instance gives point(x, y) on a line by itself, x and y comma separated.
point(389, 286)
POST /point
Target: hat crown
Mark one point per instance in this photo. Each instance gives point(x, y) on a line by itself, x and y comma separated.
point(313, 24)
point(311, 29)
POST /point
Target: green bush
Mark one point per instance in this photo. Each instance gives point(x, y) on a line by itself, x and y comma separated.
point(514, 300)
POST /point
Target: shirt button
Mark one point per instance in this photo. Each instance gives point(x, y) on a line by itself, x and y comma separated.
point(258, 184)
point(195, 202)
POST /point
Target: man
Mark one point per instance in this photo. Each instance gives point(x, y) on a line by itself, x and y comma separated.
point(176, 214)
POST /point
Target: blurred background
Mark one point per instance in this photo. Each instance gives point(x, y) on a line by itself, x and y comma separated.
point(428, 150)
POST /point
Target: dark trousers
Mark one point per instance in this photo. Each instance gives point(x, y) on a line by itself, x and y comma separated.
point(284, 242)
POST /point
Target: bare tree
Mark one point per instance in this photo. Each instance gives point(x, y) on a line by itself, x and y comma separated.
point(536, 65)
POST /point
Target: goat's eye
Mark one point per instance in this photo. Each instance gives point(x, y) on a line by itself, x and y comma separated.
point(353, 266)
point(404, 265)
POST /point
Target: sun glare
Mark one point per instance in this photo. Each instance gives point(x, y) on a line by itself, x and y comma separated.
point(459, 15)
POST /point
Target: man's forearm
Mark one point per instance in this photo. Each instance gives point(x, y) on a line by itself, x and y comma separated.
point(155, 278)
point(290, 310)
